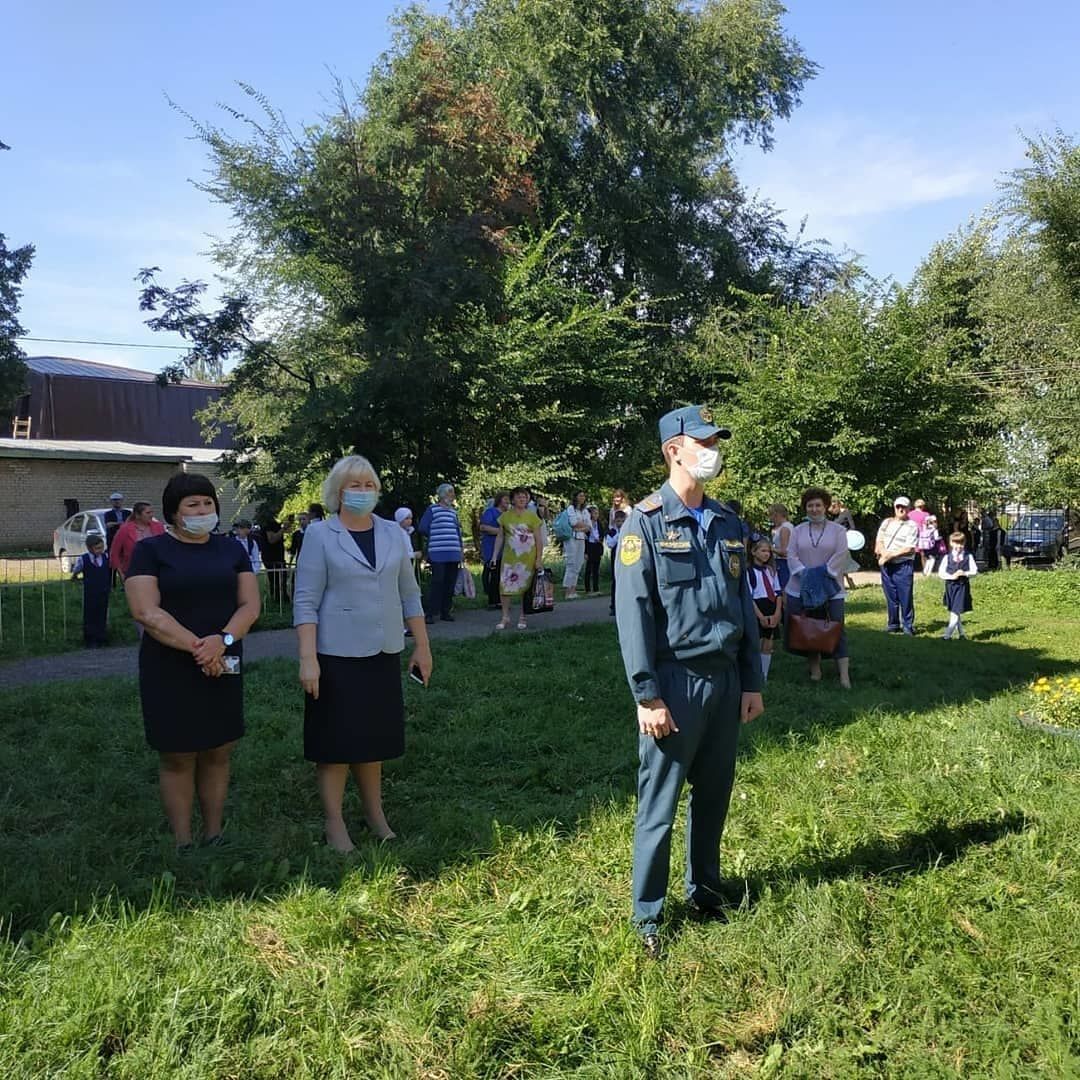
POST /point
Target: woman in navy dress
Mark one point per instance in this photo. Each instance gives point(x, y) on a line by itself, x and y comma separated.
point(194, 593)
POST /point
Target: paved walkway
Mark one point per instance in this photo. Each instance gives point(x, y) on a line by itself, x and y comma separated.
point(262, 645)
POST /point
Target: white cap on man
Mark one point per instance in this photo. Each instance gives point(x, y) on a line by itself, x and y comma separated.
point(116, 496)
point(901, 500)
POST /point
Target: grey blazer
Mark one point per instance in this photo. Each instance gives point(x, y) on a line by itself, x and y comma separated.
point(358, 610)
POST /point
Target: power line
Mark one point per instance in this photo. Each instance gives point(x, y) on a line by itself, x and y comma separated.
point(111, 344)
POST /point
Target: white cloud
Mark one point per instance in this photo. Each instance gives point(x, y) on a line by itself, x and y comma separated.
point(844, 173)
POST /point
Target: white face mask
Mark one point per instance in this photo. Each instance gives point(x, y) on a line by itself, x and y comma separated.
point(708, 464)
point(200, 524)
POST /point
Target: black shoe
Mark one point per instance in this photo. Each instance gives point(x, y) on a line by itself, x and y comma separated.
point(185, 849)
point(429, 619)
point(447, 618)
point(214, 841)
point(611, 613)
point(651, 944)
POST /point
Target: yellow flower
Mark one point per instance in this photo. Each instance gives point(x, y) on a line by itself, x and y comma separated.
point(1042, 681)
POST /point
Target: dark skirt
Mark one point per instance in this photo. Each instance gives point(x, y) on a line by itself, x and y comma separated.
point(360, 713)
point(957, 596)
point(767, 607)
point(185, 711)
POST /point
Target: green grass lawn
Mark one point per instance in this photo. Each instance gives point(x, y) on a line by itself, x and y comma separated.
point(908, 861)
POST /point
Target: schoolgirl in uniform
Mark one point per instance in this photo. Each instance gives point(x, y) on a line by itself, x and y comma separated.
point(957, 569)
point(768, 596)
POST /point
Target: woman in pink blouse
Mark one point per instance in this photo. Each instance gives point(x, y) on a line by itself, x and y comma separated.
point(817, 541)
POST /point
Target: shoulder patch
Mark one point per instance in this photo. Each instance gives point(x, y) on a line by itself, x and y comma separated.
point(630, 549)
point(650, 504)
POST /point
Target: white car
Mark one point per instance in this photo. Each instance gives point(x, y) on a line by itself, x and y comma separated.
point(69, 540)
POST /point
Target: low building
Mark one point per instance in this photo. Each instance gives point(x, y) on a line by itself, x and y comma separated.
point(97, 428)
point(68, 398)
point(39, 478)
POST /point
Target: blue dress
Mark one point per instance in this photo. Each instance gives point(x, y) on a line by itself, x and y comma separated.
point(957, 596)
point(185, 711)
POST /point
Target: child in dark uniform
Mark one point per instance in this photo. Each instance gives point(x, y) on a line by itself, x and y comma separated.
point(611, 542)
point(957, 569)
point(764, 583)
point(94, 569)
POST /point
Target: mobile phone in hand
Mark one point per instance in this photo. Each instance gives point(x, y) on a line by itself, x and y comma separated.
point(414, 674)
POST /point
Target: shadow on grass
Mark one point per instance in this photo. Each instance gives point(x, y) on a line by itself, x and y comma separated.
point(885, 862)
point(512, 734)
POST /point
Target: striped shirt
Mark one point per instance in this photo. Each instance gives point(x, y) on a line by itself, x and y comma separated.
point(443, 531)
point(895, 534)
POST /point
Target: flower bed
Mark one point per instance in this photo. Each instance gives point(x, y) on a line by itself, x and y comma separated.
point(1054, 706)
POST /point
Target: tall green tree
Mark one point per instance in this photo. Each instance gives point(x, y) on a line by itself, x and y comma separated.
point(495, 253)
point(859, 393)
point(1034, 313)
point(14, 266)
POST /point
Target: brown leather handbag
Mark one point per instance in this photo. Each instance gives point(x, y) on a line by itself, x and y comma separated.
point(809, 635)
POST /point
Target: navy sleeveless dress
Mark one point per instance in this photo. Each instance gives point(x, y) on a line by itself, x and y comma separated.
point(957, 596)
point(184, 711)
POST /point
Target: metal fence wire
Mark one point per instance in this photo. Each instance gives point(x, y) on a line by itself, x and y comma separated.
point(40, 606)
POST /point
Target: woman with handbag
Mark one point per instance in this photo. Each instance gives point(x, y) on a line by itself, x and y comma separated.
point(817, 557)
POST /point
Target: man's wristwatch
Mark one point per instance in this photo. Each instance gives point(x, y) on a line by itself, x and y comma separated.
point(227, 638)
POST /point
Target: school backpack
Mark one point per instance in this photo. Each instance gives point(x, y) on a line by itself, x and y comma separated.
point(561, 527)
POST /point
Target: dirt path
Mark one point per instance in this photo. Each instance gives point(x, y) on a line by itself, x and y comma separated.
point(123, 660)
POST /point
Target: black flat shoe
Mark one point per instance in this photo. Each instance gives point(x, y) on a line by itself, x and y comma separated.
point(214, 841)
point(185, 849)
point(447, 618)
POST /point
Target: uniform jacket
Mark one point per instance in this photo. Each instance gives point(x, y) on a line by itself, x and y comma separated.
point(682, 591)
point(358, 609)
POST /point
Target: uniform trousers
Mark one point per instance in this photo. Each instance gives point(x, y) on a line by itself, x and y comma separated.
point(594, 554)
point(898, 584)
point(574, 554)
point(704, 701)
point(440, 597)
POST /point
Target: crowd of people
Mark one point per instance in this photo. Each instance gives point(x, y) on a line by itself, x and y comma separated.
point(700, 595)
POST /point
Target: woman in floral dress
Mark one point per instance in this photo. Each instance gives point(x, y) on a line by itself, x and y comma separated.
point(521, 537)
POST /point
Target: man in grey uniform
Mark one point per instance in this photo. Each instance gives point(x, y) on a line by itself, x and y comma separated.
point(689, 641)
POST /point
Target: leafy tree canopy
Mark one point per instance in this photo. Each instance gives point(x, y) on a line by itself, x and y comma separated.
point(14, 266)
point(496, 254)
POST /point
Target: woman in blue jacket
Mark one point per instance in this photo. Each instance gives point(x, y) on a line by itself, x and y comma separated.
point(353, 586)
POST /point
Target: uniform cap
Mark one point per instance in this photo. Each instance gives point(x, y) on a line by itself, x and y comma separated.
point(693, 420)
point(116, 495)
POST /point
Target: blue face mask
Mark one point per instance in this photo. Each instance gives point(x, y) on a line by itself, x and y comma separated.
point(359, 502)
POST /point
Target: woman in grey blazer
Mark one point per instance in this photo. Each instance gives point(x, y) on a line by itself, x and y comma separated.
point(353, 585)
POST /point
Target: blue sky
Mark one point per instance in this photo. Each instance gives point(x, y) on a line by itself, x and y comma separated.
point(900, 139)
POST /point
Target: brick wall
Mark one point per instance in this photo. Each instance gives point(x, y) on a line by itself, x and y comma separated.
point(33, 490)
